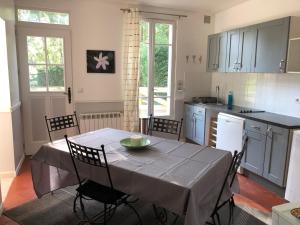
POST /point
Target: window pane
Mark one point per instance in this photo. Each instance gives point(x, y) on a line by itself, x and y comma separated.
point(56, 78)
point(37, 78)
point(163, 33)
point(144, 32)
point(38, 16)
point(161, 65)
point(36, 50)
point(162, 106)
point(143, 107)
point(55, 50)
point(143, 70)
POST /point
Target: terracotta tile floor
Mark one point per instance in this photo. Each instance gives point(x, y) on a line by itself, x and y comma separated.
point(252, 194)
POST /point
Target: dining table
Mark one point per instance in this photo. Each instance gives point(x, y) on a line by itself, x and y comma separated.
point(183, 178)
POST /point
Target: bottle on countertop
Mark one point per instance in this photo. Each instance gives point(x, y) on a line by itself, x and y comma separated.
point(230, 100)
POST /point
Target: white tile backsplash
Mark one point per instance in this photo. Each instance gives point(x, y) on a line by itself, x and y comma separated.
point(271, 92)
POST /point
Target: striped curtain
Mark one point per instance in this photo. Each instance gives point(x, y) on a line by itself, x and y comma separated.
point(130, 78)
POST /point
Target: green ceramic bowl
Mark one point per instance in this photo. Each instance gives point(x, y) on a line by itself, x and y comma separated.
point(129, 144)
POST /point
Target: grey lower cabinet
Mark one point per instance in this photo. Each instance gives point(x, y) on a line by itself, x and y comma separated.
point(195, 123)
point(267, 151)
point(255, 154)
point(189, 121)
point(199, 131)
point(276, 155)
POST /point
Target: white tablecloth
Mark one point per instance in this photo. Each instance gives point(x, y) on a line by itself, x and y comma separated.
point(183, 178)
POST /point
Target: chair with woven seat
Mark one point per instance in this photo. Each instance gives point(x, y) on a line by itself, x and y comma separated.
point(64, 122)
point(165, 126)
point(229, 179)
point(90, 190)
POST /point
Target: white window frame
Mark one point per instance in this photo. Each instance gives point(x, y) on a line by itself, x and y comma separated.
point(152, 22)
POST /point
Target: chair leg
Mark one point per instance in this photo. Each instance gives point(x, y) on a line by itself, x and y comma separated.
point(105, 211)
point(218, 218)
point(231, 208)
point(135, 211)
point(74, 203)
point(175, 219)
point(162, 216)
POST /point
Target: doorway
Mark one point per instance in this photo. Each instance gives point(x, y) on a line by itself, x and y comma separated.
point(45, 79)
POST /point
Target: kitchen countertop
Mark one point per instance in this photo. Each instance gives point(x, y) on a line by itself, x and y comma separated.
point(265, 117)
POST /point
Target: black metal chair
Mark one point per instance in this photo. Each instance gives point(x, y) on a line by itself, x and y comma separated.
point(229, 178)
point(61, 122)
point(165, 126)
point(89, 189)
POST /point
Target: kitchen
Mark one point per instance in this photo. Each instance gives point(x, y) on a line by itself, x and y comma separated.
point(242, 56)
point(250, 67)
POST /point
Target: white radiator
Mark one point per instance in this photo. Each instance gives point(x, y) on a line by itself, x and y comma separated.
point(94, 121)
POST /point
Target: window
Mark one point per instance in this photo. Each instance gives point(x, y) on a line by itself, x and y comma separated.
point(46, 64)
point(38, 16)
point(156, 68)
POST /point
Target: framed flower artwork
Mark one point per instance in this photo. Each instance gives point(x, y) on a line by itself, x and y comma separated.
point(99, 61)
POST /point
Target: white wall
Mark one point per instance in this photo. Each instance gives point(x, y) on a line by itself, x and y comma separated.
point(271, 92)
point(98, 25)
point(11, 140)
point(192, 40)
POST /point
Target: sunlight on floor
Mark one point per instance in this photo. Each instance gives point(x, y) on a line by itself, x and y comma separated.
point(5, 185)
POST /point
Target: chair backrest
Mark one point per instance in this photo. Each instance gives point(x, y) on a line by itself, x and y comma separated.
point(232, 170)
point(88, 155)
point(165, 126)
point(61, 122)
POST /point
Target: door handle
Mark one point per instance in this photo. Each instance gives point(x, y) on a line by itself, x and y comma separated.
point(69, 93)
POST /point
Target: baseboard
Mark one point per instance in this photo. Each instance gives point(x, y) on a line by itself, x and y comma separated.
point(10, 174)
point(1, 209)
point(20, 164)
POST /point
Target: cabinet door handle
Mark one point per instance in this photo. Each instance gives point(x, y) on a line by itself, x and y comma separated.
point(256, 127)
point(269, 131)
point(282, 65)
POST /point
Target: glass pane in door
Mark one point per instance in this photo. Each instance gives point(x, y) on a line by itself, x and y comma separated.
point(36, 50)
point(56, 78)
point(37, 78)
point(55, 50)
point(162, 69)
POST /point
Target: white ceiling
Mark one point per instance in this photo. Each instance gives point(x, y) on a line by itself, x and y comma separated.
point(190, 5)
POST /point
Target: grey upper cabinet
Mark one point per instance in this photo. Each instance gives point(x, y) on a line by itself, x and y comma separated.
point(222, 56)
point(233, 50)
point(248, 37)
point(212, 52)
point(276, 155)
point(272, 45)
point(216, 53)
point(261, 48)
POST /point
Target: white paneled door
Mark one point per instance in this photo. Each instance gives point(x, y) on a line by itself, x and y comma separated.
point(46, 80)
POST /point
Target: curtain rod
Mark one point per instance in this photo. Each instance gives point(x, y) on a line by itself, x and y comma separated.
point(167, 14)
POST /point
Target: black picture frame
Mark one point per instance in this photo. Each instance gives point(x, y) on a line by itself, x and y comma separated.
point(100, 61)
